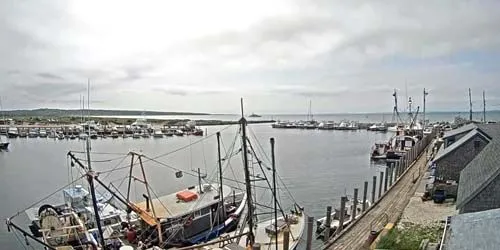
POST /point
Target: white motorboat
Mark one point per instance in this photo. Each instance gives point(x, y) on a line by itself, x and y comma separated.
point(335, 218)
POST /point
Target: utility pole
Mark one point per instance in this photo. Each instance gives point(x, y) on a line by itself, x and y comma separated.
point(484, 107)
point(470, 105)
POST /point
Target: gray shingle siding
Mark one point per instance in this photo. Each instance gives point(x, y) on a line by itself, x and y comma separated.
point(449, 166)
point(488, 198)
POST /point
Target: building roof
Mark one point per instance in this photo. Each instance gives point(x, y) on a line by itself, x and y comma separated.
point(479, 173)
point(460, 130)
point(470, 135)
point(477, 230)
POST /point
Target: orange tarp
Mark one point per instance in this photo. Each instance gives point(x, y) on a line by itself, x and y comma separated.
point(186, 196)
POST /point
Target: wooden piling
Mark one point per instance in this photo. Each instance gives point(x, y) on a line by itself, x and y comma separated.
point(374, 188)
point(365, 193)
point(355, 205)
point(390, 169)
point(343, 200)
point(310, 223)
point(328, 221)
point(380, 184)
point(385, 179)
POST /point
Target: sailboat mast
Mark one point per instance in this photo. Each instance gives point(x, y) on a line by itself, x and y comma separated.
point(90, 179)
point(219, 161)
point(274, 193)
point(470, 105)
point(243, 123)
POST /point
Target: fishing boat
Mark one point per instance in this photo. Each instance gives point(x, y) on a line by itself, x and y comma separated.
point(136, 135)
point(13, 132)
point(279, 124)
point(42, 133)
point(72, 137)
point(380, 127)
point(52, 134)
point(158, 134)
point(379, 151)
point(326, 126)
point(114, 134)
point(253, 115)
point(33, 133)
point(93, 134)
point(83, 136)
point(23, 134)
point(197, 132)
point(145, 134)
point(335, 218)
point(343, 126)
point(179, 132)
point(267, 232)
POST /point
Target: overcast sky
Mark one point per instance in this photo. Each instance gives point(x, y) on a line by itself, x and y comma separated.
point(202, 56)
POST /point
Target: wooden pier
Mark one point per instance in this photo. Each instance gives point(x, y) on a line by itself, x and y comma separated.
point(394, 193)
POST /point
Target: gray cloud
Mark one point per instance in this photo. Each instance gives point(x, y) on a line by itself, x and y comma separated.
point(334, 52)
point(50, 76)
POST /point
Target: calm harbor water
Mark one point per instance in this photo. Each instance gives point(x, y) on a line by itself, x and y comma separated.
point(368, 117)
point(317, 166)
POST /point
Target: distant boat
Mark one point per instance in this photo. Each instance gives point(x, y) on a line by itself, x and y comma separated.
point(158, 134)
point(43, 133)
point(13, 132)
point(253, 115)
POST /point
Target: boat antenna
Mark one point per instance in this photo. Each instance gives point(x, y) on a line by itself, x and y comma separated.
point(470, 105)
point(274, 193)
point(221, 190)
point(484, 107)
point(90, 178)
point(243, 123)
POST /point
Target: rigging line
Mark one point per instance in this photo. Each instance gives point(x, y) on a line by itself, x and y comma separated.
point(109, 171)
point(277, 174)
point(19, 240)
point(116, 166)
point(99, 153)
point(44, 198)
point(99, 161)
point(168, 166)
point(228, 163)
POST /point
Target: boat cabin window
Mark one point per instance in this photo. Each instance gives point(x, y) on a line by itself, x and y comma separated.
point(205, 210)
point(111, 220)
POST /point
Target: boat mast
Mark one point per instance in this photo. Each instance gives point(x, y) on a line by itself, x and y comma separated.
point(243, 123)
point(470, 105)
point(425, 94)
point(221, 190)
point(274, 193)
point(484, 107)
point(90, 179)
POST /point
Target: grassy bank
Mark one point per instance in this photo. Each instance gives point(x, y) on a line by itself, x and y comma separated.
point(409, 236)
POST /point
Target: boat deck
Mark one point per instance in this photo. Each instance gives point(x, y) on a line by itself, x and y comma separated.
point(169, 206)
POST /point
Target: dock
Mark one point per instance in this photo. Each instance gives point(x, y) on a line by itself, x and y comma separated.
point(390, 204)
